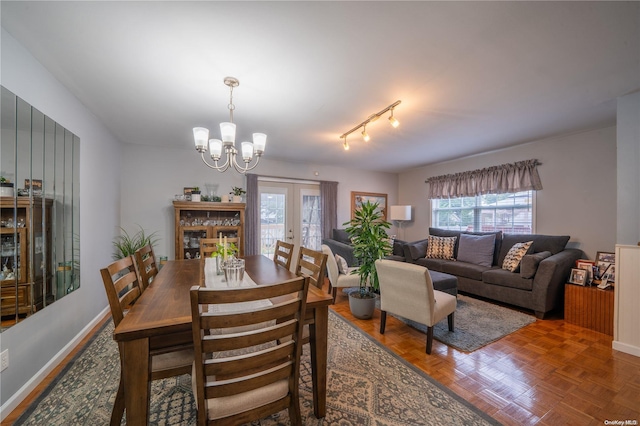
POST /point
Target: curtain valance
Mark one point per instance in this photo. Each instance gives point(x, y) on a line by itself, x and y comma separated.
point(512, 177)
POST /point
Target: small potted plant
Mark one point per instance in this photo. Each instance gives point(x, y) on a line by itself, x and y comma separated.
point(237, 193)
point(221, 253)
point(195, 194)
point(367, 231)
point(6, 187)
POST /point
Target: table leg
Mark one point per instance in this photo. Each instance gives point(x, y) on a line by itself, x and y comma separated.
point(137, 386)
point(318, 343)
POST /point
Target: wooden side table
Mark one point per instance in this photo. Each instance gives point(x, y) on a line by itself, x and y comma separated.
point(589, 307)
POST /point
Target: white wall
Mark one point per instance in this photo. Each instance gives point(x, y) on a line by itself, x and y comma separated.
point(578, 198)
point(628, 135)
point(39, 339)
point(151, 178)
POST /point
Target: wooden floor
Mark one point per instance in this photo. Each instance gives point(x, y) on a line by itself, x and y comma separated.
point(548, 373)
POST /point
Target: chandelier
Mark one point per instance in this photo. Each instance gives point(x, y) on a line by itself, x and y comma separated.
point(373, 117)
point(228, 140)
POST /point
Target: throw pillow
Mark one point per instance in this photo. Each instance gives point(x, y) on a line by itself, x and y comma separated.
point(476, 249)
point(530, 262)
point(514, 256)
point(441, 247)
point(342, 264)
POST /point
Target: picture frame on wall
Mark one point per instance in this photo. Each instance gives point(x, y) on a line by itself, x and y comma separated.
point(578, 276)
point(357, 198)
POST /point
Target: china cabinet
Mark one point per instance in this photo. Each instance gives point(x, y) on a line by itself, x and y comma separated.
point(197, 220)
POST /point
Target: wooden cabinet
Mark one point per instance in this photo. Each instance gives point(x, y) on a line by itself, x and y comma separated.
point(25, 235)
point(589, 307)
point(197, 220)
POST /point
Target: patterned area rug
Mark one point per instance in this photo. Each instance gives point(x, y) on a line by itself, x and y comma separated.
point(366, 385)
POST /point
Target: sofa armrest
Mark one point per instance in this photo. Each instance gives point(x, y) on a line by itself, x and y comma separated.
point(415, 250)
point(342, 249)
point(550, 278)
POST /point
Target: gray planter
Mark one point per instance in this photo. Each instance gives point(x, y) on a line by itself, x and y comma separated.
point(361, 308)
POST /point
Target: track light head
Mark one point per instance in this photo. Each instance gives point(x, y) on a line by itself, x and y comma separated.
point(365, 135)
point(345, 145)
point(395, 123)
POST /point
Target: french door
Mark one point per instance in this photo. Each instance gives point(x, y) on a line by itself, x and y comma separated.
point(289, 212)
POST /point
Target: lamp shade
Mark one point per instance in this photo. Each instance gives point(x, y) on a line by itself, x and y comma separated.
point(400, 213)
point(200, 136)
point(228, 132)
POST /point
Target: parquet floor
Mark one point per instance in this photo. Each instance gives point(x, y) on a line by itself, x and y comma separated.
point(548, 373)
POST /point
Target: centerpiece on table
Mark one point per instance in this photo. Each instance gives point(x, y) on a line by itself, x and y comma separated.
point(367, 231)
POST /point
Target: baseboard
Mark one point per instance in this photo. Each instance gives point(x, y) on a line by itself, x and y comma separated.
point(15, 399)
point(626, 348)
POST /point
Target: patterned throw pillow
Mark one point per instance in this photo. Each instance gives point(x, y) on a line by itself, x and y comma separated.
point(514, 256)
point(441, 247)
point(342, 264)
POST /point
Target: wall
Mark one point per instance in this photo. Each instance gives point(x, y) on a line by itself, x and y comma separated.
point(40, 341)
point(578, 198)
point(151, 178)
point(628, 135)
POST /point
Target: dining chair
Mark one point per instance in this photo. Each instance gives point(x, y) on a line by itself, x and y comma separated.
point(147, 267)
point(338, 279)
point(406, 290)
point(208, 246)
point(313, 264)
point(283, 254)
point(240, 376)
point(122, 285)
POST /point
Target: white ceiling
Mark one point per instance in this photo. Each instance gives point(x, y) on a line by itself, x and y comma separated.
point(472, 76)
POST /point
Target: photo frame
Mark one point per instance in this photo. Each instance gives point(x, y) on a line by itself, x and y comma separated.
point(604, 260)
point(35, 185)
point(587, 265)
point(357, 198)
point(578, 276)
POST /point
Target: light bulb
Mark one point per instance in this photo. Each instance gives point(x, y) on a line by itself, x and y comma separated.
point(393, 121)
point(365, 135)
point(346, 145)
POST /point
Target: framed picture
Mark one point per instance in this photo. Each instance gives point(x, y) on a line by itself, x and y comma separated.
point(587, 265)
point(578, 276)
point(357, 198)
point(188, 190)
point(603, 261)
point(610, 274)
point(34, 184)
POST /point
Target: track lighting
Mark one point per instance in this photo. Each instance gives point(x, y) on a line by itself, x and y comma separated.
point(373, 117)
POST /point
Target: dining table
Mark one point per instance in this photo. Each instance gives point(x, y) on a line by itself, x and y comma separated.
point(161, 317)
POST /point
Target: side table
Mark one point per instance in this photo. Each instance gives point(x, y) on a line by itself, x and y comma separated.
point(589, 307)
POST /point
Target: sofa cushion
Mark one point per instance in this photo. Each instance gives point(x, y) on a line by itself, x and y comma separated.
point(342, 264)
point(416, 249)
point(464, 269)
point(398, 247)
point(529, 263)
point(450, 233)
point(341, 235)
point(446, 233)
point(505, 278)
point(554, 244)
point(432, 264)
point(441, 247)
point(512, 260)
point(476, 249)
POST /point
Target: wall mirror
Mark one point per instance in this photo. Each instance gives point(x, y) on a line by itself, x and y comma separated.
point(40, 215)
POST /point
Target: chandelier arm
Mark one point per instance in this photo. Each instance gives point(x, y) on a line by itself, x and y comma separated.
point(246, 167)
point(215, 167)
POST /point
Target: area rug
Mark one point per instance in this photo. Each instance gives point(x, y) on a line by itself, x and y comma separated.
point(476, 324)
point(366, 385)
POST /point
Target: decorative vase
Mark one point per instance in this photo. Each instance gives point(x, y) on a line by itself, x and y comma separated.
point(195, 197)
point(362, 308)
point(237, 198)
point(224, 198)
point(219, 270)
point(6, 189)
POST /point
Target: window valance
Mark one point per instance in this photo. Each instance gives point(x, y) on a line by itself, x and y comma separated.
point(512, 177)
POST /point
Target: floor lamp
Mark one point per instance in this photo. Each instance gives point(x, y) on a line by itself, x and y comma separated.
point(400, 214)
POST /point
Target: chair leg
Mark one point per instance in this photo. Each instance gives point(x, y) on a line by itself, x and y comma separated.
point(383, 321)
point(118, 405)
point(334, 293)
point(329, 288)
point(450, 321)
point(294, 412)
point(429, 339)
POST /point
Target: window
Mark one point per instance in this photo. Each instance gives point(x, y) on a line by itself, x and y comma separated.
point(511, 213)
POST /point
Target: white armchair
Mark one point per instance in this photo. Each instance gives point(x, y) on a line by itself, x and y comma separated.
point(336, 279)
point(407, 291)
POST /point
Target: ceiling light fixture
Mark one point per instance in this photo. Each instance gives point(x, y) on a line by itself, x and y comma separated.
point(373, 117)
point(228, 134)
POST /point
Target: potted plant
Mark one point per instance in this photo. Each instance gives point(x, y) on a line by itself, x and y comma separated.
point(222, 252)
point(126, 245)
point(195, 194)
point(368, 234)
point(237, 193)
point(6, 187)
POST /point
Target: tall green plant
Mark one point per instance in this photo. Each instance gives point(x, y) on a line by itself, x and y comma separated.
point(126, 245)
point(368, 234)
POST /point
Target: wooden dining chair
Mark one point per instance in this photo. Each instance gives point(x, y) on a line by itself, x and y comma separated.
point(313, 264)
point(241, 376)
point(283, 254)
point(147, 267)
point(208, 246)
point(122, 285)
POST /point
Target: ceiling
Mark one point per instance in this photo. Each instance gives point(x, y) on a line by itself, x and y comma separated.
point(472, 76)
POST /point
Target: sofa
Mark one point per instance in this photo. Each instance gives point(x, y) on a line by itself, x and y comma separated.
point(340, 244)
point(536, 283)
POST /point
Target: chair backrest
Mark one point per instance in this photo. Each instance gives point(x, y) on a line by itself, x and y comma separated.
point(121, 283)
point(283, 254)
point(208, 246)
point(231, 362)
point(312, 264)
point(332, 265)
point(406, 289)
point(147, 267)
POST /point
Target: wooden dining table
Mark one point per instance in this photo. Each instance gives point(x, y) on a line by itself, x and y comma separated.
point(162, 316)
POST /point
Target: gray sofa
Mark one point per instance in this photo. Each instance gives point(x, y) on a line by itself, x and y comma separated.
point(538, 285)
point(341, 244)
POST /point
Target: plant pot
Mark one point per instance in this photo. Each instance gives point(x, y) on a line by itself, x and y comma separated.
point(6, 189)
point(195, 197)
point(224, 198)
point(237, 198)
point(362, 308)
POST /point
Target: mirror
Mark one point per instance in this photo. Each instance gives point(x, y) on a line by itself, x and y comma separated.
point(40, 215)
